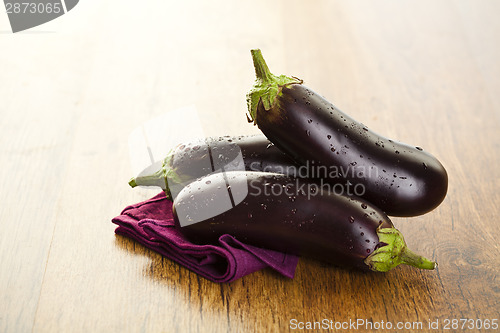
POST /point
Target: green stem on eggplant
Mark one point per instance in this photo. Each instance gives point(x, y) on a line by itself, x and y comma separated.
point(394, 253)
point(159, 177)
point(267, 86)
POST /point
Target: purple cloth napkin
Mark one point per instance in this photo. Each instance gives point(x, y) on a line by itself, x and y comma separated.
point(151, 223)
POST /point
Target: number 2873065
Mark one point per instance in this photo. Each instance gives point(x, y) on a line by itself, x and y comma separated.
point(33, 8)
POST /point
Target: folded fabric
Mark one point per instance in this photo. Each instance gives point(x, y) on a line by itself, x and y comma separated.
point(151, 223)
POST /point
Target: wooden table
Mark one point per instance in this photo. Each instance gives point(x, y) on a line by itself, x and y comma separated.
point(422, 72)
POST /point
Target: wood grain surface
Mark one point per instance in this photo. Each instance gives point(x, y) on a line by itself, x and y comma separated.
point(71, 91)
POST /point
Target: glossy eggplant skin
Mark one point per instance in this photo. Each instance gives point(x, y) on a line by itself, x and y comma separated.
point(400, 179)
point(286, 214)
point(258, 154)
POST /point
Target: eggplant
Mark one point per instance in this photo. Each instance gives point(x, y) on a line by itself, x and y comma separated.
point(292, 215)
point(401, 179)
point(191, 160)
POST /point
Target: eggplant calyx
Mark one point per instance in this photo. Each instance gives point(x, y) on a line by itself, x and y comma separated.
point(158, 174)
point(394, 253)
point(267, 86)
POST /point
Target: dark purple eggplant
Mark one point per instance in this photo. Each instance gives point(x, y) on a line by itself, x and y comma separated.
point(402, 180)
point(292, 215)
point(192, 160)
